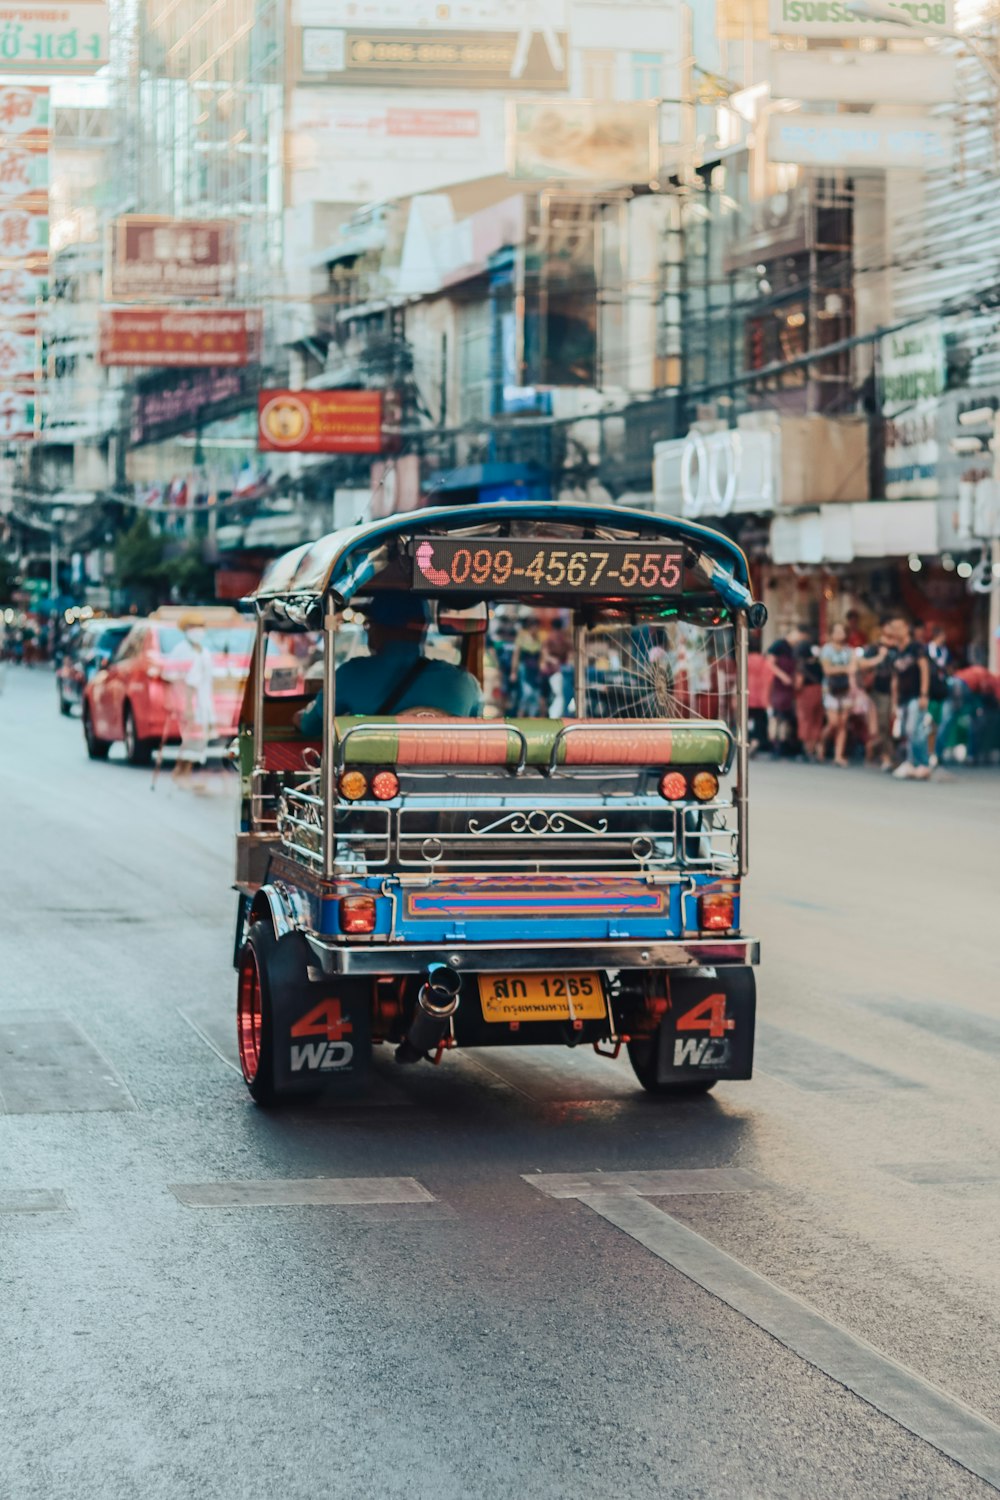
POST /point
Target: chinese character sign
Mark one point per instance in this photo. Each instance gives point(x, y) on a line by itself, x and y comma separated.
point(176, 258)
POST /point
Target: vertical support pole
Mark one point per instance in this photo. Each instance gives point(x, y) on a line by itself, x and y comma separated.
point(329, 767)
point(993, 646)
point(259, 653)
point(580, 665)
point(742, 738)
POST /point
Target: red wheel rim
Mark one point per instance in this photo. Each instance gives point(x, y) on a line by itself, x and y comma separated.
point(248, 1016)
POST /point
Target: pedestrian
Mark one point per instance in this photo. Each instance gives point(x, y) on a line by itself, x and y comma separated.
point(911, 685)
point(837, 661)
point(876, 677)
point(557, 667)
point(193, 677)
point(857, 636)
point(784, 733)
point(526, 667)
point(809, 713)
point(758, 699)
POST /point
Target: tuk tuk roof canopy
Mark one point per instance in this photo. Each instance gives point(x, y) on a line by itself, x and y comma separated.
point(341, 562)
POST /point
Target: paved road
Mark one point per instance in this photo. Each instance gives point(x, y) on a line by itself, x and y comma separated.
point(479, 1334)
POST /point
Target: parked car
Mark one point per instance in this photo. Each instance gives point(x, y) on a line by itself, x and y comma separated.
point(135, 698)
point(93, 647)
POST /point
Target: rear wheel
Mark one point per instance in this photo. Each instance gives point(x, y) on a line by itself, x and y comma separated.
point(643, 1057)
point(137, 752)
point(254, 1021)
point(97, 749)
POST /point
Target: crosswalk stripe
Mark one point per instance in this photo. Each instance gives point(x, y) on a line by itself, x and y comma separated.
point(294, 1192)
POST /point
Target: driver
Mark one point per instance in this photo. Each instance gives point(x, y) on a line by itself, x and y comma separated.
point(397, 675)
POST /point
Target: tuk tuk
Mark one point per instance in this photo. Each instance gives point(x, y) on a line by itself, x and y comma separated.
point(561, 866)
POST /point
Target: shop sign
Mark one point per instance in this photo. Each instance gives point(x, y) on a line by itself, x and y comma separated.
point(853, 140)
point(176, 404)
point(855, 77)
point(24, 111)
point(177, 258)
point(24, 235)
point(70, 36)
point(534, 57)
point(159, 337)
point(913, 374)
point(18, 416)
point(834, 18)
point(432, 15)
point(320, 421)
point(913, 365)
point(583, 140)
point(715, 473)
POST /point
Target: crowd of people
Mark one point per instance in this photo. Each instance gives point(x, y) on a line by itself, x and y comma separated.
point(895, 700)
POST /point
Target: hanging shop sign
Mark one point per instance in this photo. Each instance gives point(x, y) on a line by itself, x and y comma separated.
point(320, 421)
point(854, 77)
point(534, 57)
point(160, 337)
point(176, 258)
point(175, 403)
point(853, 140)
point(833, 18)
point(18, 416)
point(913, 377)
point(24, 112)
point(583, 140)
point(70, 36)
point(24, 172)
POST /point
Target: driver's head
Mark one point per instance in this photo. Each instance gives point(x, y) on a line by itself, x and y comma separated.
point(395, 617)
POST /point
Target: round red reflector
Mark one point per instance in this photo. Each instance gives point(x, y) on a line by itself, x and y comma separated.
point(385, 785)
point(673, 786)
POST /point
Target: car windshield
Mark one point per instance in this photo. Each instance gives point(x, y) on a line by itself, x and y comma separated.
point(221, 640)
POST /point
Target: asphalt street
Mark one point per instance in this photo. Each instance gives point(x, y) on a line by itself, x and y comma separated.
point(203, 1299)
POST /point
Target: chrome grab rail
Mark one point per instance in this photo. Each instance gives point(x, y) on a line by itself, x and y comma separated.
point(436, 726)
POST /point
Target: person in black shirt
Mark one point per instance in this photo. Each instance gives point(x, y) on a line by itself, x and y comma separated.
point(876, 678)
point(911, 686)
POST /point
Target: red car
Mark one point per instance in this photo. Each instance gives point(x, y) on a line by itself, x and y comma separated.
point(135, 698)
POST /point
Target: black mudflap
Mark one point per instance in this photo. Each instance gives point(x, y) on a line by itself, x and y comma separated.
point(321, 1030)
point(708, 1031)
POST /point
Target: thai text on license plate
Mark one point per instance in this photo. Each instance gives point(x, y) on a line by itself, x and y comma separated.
point(542, 997)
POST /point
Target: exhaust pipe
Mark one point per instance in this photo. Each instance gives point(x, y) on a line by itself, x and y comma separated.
point(437, 1002)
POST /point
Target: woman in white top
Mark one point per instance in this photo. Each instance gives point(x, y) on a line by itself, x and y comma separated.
point(838, 662)
point(196, 703)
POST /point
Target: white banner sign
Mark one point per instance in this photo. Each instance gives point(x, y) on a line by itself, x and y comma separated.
point(863, 77)
point(832, 18)
point(439, 15)
point(876, 141)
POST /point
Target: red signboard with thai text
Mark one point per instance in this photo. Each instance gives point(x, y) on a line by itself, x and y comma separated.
point(320, 421)
point(162, 337)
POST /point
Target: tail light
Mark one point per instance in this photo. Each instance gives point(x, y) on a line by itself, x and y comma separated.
point(385, 785)
point(673, 786)
point(716, 913)
point(357, 913)
point(705, 785)
point(353, 785)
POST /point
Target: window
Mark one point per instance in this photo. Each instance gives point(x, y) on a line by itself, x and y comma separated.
point(598, 74)
point(647, 75)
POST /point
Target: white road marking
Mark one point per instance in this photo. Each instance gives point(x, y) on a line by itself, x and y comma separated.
point(940, 1419)
point(647, 1184)
point(49, 1066)
point(32, 1201)
point(294, 1192)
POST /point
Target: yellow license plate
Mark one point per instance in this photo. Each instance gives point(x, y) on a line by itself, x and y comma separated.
point(542, 997)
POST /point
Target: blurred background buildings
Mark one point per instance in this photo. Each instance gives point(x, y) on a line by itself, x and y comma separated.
point(735, 261)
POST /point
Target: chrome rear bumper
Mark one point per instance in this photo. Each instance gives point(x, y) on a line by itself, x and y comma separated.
point(481, 958)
